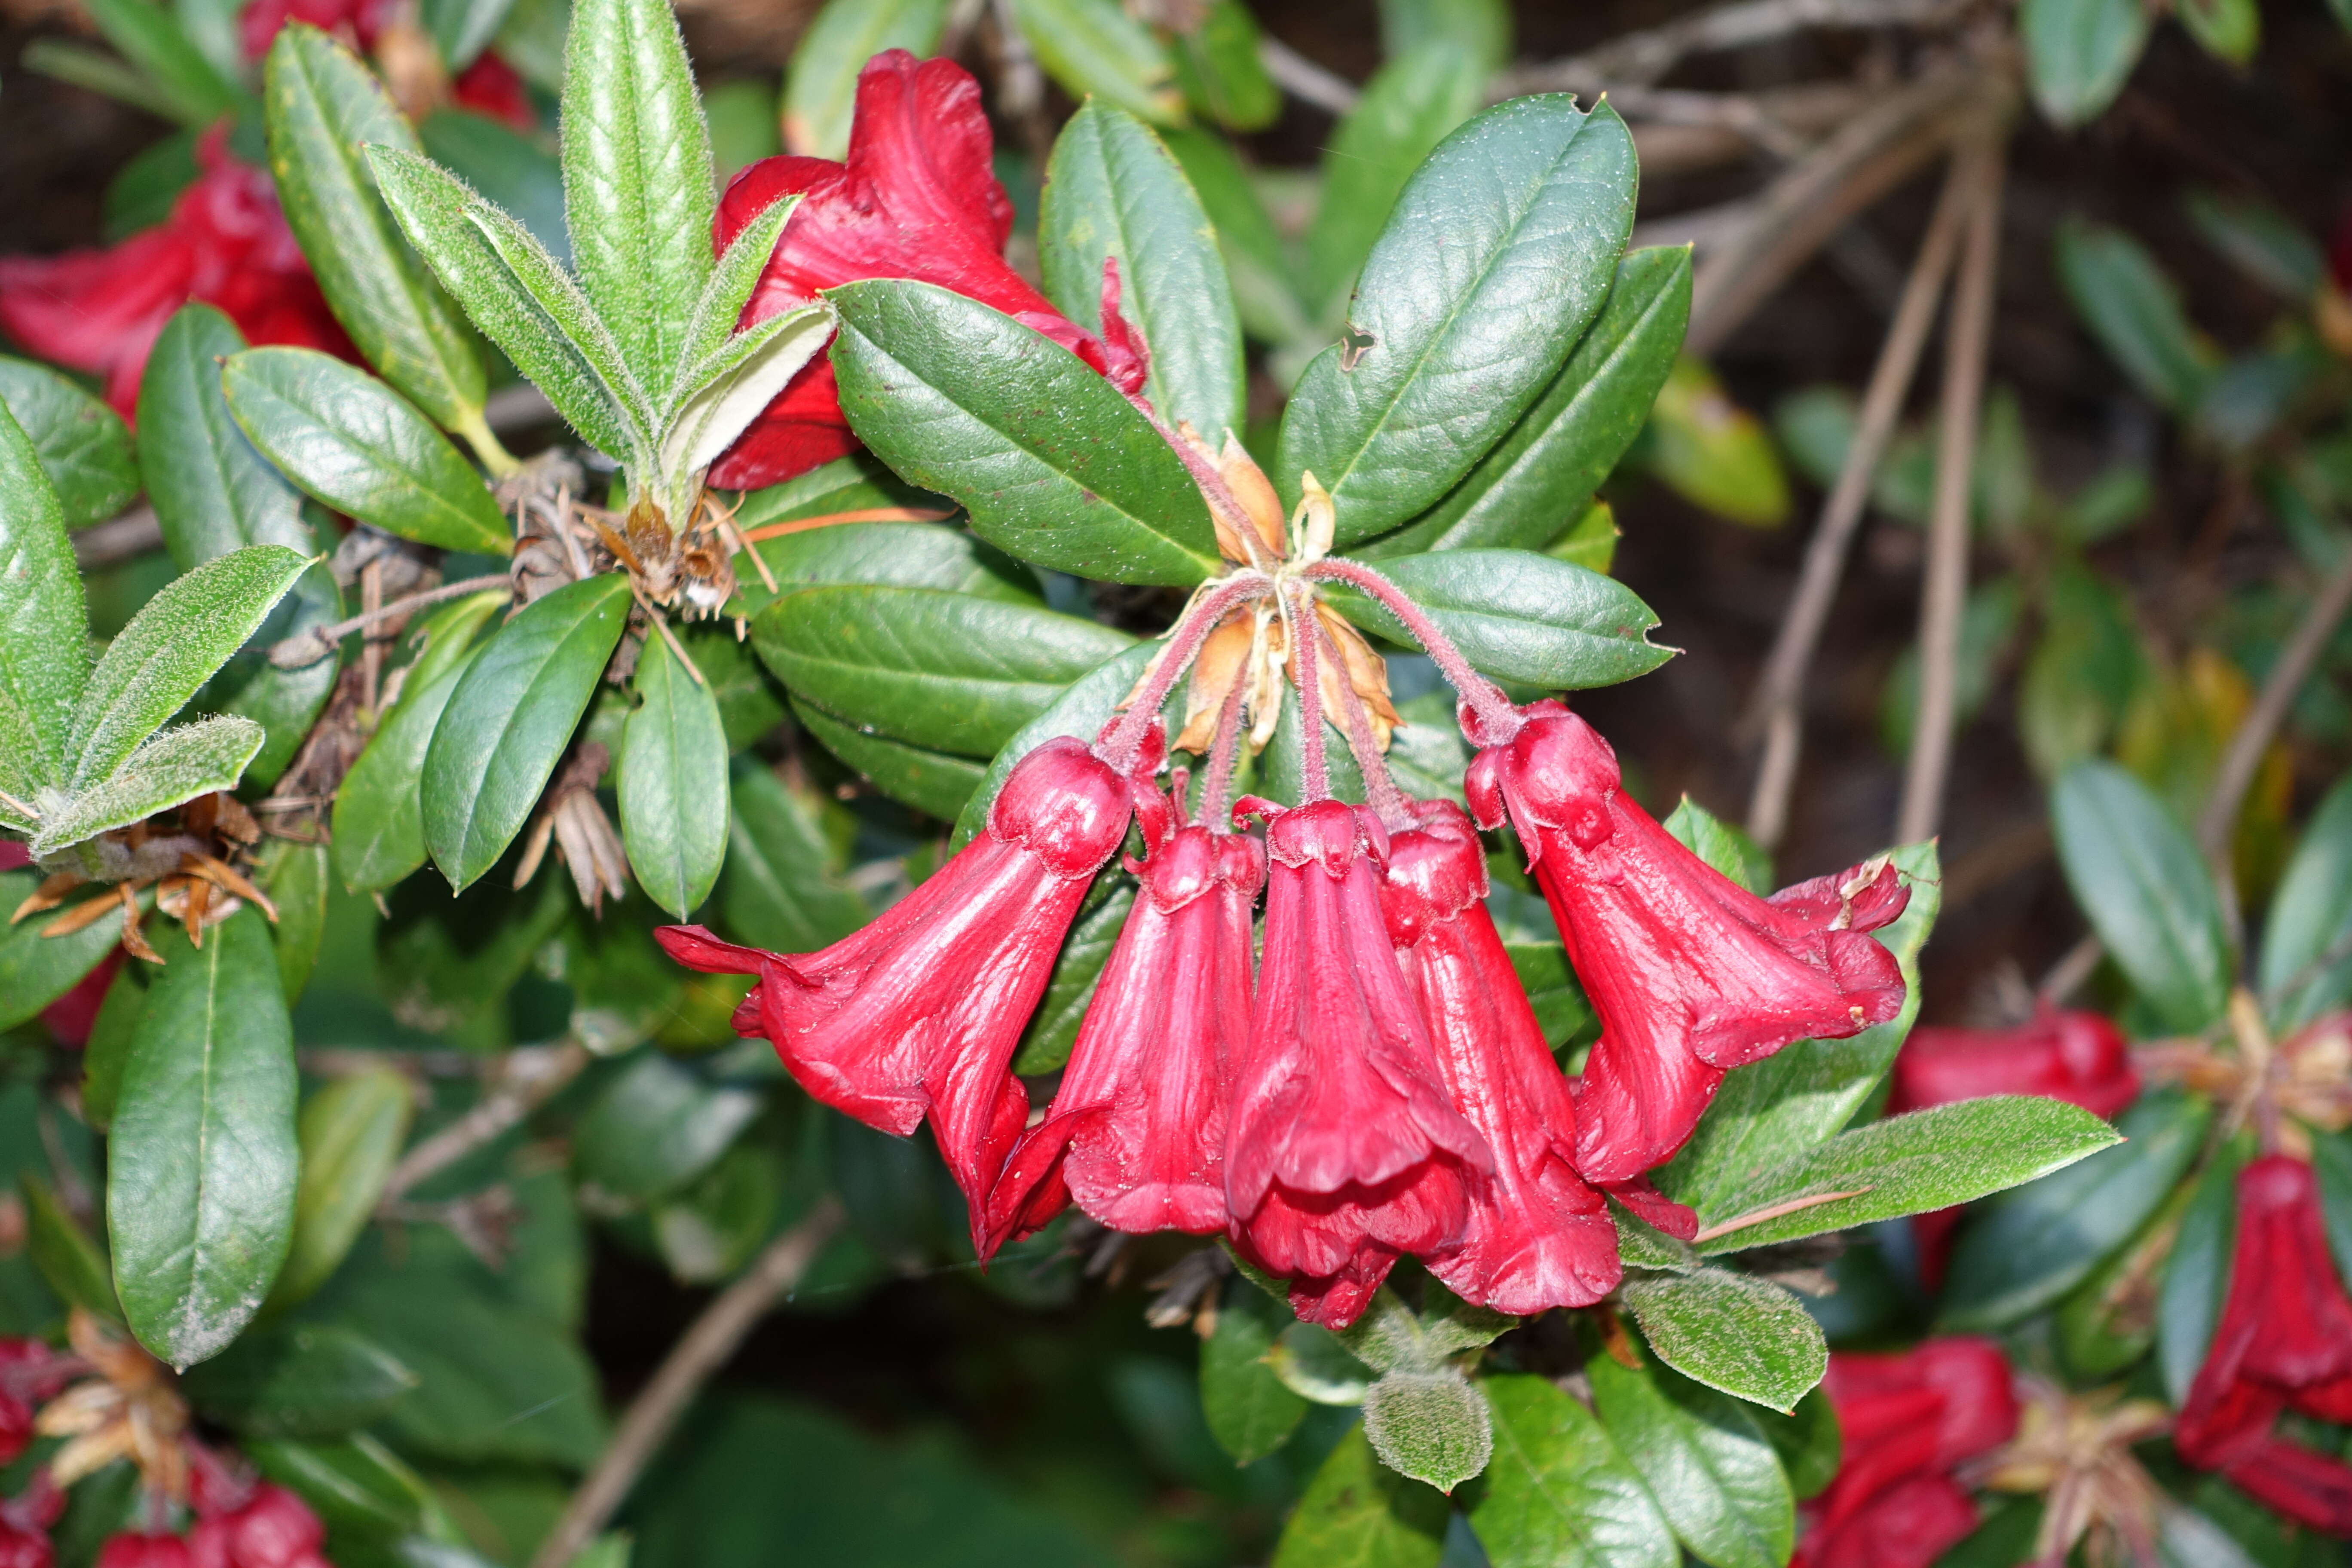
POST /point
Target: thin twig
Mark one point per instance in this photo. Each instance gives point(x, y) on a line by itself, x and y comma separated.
point(517, 407)
point(705, 1346)
point(767, 531)
point(530, 1075)
point(310, 646)
point(1776, 708)
point(1774, 1211)
point(1944, 595)
point(1646, 56)
point(1304, 79)
point(2295, 662)
point(118, 538)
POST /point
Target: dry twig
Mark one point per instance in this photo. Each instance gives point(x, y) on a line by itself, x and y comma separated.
point(2295, 662)
point(1646, 55)
point(1304, 79)
point(528, 1077)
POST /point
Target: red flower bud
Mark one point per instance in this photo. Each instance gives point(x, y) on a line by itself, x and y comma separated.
point(1690, 973)
point(1536, 1236)
point(23, 1549)
point(130, 1551)
point(1136, 1131)
point(273, 1529)
point(1906, 1420)
point(918, 1014)
point(1343, 1150)
point(2079, 1058)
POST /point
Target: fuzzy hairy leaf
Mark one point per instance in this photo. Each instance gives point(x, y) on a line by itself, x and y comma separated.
point(44, 639)
point(1432, 1425)
point(1745, 1336)
point(171, 767)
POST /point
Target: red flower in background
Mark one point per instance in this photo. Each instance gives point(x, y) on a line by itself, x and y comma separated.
point(136, 1551)
point(359, 21)
point(917, 199)
point(491, 87)
point(225, 243)
point(1906, 1420)
point(2284, 1342)
point(1691, 975)
point(270, 1528)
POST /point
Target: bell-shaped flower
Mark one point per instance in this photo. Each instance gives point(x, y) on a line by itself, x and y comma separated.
point(917, 199)
point(2284, 1342)
point(1343, 1150)
point(1136, 1131)
point(1691, 973)
point(272, 1527)
point(917, 1014)
point(2076, 1056)
point(1536, 1236)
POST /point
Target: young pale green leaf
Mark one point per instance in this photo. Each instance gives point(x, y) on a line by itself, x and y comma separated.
point(931, 782)
point(2079, 52)
point(2229, 30)
point(284, 702)
point(83, 446)
point(294, 875)
point(172, 646)
point(887, 555)
point(780, 888)
point(1095, 48)
point(2306, 954)
point(323, 106)
point(2196, 1273)
point(933, 668)
point(201, 1159)
point(1433, 1426)
point(1745, 1336)
point(44, 638)
point(169, 768)
point(1250, 1412)
point(2026, 1249)
point(188, 87)
point(1053, 465)
point(2139, 880)
point(36, 969)
point(1392, 1337)
point(1113, 194)
point(510, 718)
point(637, 192)
point(1708, 1467)
point(1518, 616)
point(357, 445)
point(730, 387)
point(1053, 1029)
point(728, 289)
point(1931, 1159)
point(1643, 1246)
point(211, 492)
point(1542, 474)
point(2133, 309)
point(350, 1134)
point(521, 298)
point(673, 784)
point(656, 1126)
point(1560, 1494)
point(305, 1379)
point(1257, 261)
point(820, 81)
point(1357, 1513)
point(1219, 68)
point(1497, 257)
point(462, 30)
point(1085, 706)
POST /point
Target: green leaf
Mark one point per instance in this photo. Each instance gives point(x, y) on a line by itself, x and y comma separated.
point(1808, 1442)
point(294, 875)
point(1539, 478)
point(211, 492)
point(170, 767)
point(170, 648)
point(1497, 257)
point(1712, 452)
point(1642, 1246)
point(2261, 241)
point(508, 722)
point(69, 1260)
point(109, 1042)
point(719, 396)
point(306, 1380)
point(2146, 891)
point(2078, 53)
point(187, 87)
point(462, 30)
point(1070, 989)
point(102, 72)
point(143, 190)
point(2196, 1274)
point(1113, 192)
point(1258, 261)
point(2132, 308)
point(1518, 616)
point(638, 197)
point(44, 646)
point(2307, 952)
point(1482, 27)
point(781, 888)
point(887, 555)
point(727, 289)
point(1431, 1426)
point(321, 107)
point(1054, 465)
point(202, 1158)
point(1560, 1494)
point(1217, 64)
point(357, 445)
point(359, 1489)
point(508, 168)
point(673, 784)
point(83, 446)
point(1721, 846)
point(1095, 48)
point(1357, 1513)
point(1250, 1413)
point(1708, 1465)
point(2027, 1249)
point(1531, 939)
point(1745, 1336)
point(1313, 1363)
point(2229, 30)
point(2331, 1161)
point(1931, 1159)
point(931, 782)
point(939, 669)
point(284, 702)
point(820, 81)
point(351, 1133)
point(656, 1126)
point(37, 969)
point(1079, 712)
point(1392, 1337)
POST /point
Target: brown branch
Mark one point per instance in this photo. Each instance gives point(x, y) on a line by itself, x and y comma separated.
point(2254, 732)
point(1304, 79)
point(119, 539)
point(310, 646)
point(1646, 55)
point(1674, 146)
point(707, 1345)
point(528, 1077)
point(1775, 1211)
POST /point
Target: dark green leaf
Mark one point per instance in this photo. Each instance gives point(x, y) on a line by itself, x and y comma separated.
point(510, 719)
point(109, 1042)
point(714, 1225)
point(1431, 1426)
point(350, 1134)
point(2079, 52)
point(284, 702)
point(306, 1380)
point(461, 29)
point(211, 492)
point(2146, 891)
point(1532, 941)
point(931, 782)
point(2306, 952)
point(143, 190)
point(2129, 304)
point(202, 1158)
point(820, 81)
point(656, 1126)
point(2331, 1160)
point(1809, 1443)
point(888, 554)
point(1708, 1465)
point(1558, 1493)
point(359, 1487)
point(294, 875)
point(1518, 616)
point(1745, 1336)
point(1052, 463)
point(1070, 990)
point(2196, 1274)
point(36, 969)
point(1249, 1410)
point(1218, 66)
point(83, 445)
point(1357, 1513)
point(782, 888)
point(1094, 47)
point(1257, 261)
point(44, 646)
point(1721, 846)
point(188, 87)
point(1079, 712)
point(68, 1258)
point(673, 784)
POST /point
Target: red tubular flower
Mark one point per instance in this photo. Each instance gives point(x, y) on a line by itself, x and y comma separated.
point(357, 20)
point(1342, 1150)
point(271, 1529)
point(1136, 1131)
point(490, 86)
point(225, 243)
point(917, 198)
point(2284, 1342)
point(23, 1549)
point(1536, 1236)
point(128, 1550)
point(2079, 1058)
point(916, 1015)
point(1690, 973)
point(30, 1374)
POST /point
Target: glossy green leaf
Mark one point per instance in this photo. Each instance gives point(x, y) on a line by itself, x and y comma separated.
point(2139, 879)
point(1431, 1426)
point(305, 1379)
point(202, 1158)
point(1808, 1442)
point(188, 87)
point(1258, 261)
point(2133, 309)
point(109, 1042)
point(44, 646)
point(2331, 1162)
point(933, 668)
point(358, 1488)
point(1708, 1465)
point(1560, 1493)
point(1249, 1411)
point(1095, 48)
point(1313, 1363)
point(2196, 1274)
point(351, 1133)
point(83, 445)
point(673, 783)
point(1113, 192)
point(37, 969)
point(294, 875)
point(322, 105)
point(657, 1125)
point(211, 492)
point(1358, 1513)
point(170, 767)
point(1539, 478)
point(1053, 1029)
point(638, 196)
point(1080, 711)
point(886, 554)
point(2078, 53)
point(1218, 66)
point(931, 782)
point(2306, 949)
point(1499, 254)
point(461, 29)
point(1721, 844)
point(1518, 616)
point(781, 888)
point(70, 1262)
point(1054, 465)
point(508, 722)
point(820, 81)
point(1745, 1336)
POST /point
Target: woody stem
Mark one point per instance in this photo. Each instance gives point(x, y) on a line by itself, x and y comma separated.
point(1223, 751)
point(1306, 670)
point(1380, 789)
point(1119, 742)
point(1497, 719)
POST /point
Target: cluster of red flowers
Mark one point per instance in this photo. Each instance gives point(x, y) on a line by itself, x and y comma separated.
point(30, 1374)
point(238, 1525)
